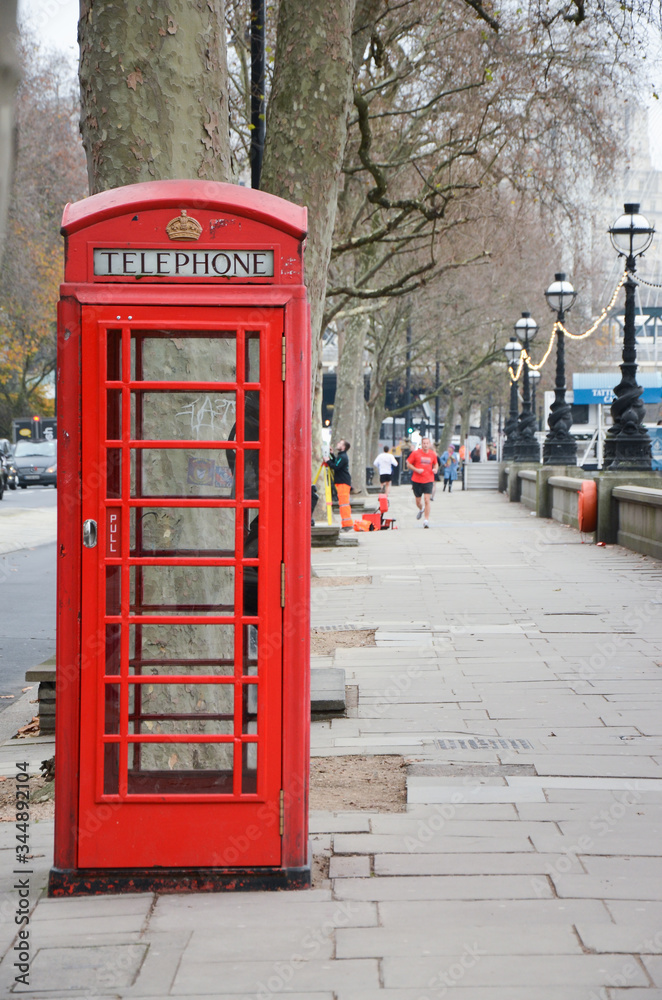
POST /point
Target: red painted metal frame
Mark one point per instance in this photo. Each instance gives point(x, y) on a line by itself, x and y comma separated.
point(163, 836)
point(286, 292)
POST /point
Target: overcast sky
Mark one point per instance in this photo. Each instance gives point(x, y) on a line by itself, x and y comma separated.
point(55, 23)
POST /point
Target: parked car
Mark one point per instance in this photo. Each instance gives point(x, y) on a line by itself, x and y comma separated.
point(35, 463)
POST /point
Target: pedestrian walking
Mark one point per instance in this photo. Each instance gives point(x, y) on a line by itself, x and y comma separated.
point(449, 465)
point(385, 463)
point(423, 464)
point(339, 464)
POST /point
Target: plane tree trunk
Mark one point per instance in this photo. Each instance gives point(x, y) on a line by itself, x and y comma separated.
point(306, 135)
point(153, 85)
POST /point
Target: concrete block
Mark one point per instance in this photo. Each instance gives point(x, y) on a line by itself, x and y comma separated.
point(327, 689)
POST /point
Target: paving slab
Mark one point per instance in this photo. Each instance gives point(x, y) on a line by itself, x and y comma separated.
point(428, 841)
point(592, 887)
point(461, 991)
point(653, 966)
point(442, 887)
point(509, 939)
point(469, 913)
point(475, 864)
point(295, 973)
point(634, 939)
point(89, 969)
point(514, 970)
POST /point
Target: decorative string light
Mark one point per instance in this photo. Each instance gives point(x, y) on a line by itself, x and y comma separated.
point(649, 284)
point(525, 358)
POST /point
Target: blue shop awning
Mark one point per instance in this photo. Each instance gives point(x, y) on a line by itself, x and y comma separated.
point(598, 387)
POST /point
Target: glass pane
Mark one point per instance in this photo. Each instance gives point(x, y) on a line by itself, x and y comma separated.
point(180, 768)
point(184, 416)
point(182, 472)
point(182, 590)
point(250, 533)
point(114, 414)
point(113, 648)
point(250, 591)
point(251, 474)
point(113, 473)
point(111, 768)
point(114, 355)
point(112, 710)
point(249, 768)
point(251, 416)
point(183, 709)
point(182, 531)
point(250, 650)
point(182, 649)
point(249, 710)
point(113, 590)
point(252, 372)
point(183, 356)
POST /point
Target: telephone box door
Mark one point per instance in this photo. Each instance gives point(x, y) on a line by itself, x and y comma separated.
point(181, 740)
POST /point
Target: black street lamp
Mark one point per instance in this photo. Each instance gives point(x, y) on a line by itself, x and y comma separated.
point(527, 448)
point(534, 375)
point(512, 350)
point(560, 447)
point(627, 443)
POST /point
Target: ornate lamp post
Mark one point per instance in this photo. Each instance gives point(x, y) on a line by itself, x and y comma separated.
point(526, 445)
point(534, 375)
point(512, 350)
point(560, 447)
point(627, 444)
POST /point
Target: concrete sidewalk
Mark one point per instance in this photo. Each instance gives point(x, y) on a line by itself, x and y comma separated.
point(519, 673)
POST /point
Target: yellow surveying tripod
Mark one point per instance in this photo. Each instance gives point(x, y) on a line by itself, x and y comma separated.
point(327, 489)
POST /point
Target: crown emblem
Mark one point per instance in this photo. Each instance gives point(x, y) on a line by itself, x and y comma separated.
point(183, 227)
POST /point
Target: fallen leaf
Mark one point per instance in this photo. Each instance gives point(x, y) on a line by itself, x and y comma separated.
point(30, 729)
point(133, 79)
point(6, 695)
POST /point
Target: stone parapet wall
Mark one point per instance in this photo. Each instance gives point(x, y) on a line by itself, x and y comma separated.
point(629, 503)
point(640, 519)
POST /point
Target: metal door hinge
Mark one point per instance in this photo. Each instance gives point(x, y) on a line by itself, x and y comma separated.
point(282, 812)
point(282, 585)
point(283, 358)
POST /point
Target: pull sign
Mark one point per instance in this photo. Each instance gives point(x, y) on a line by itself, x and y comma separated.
point(89, 533)
point(113, 525)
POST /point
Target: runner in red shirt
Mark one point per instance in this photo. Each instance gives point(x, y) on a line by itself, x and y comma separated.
point(423, 464)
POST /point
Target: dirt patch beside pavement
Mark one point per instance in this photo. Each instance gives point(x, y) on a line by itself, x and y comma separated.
point(39, 788)
point(371, 784)
point(324, 643)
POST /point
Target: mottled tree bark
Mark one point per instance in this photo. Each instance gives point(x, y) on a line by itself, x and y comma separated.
point(449, 424)
point(9, 77)
point(349, 405)
point(306, 135)
point(154, 107)
point(153, 91)
point(465, 418)
point(374, 417)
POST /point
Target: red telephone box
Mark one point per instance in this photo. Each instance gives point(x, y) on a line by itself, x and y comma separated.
point(183, 701)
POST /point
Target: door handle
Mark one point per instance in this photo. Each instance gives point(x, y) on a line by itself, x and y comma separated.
point(89, 533)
